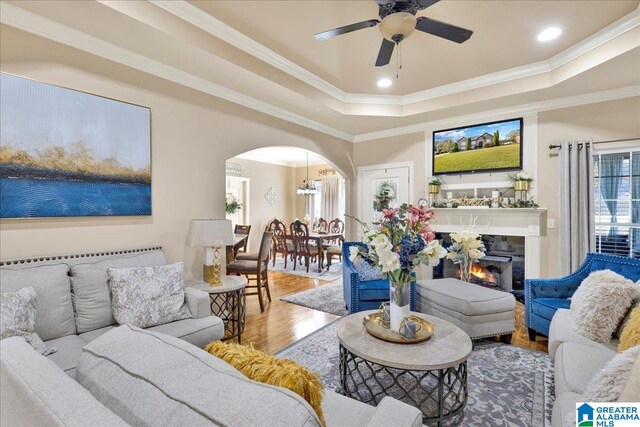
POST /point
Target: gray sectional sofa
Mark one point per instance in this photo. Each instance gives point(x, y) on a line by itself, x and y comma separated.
point(576, 361)
point(122, 375)
point(74, 304)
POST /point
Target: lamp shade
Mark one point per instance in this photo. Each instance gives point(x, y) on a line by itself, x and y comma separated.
point(206, 232)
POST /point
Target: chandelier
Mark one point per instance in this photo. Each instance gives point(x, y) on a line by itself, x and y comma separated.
point(307, 187)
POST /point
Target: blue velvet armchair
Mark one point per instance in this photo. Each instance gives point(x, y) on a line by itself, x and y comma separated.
point(544, 296)
point(362, 295)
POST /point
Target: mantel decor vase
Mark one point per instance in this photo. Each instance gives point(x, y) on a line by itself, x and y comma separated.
point(399, 304)
point(434, 189)
point(521, 185)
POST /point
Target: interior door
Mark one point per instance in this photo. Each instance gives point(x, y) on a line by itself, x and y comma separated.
point(374, 180)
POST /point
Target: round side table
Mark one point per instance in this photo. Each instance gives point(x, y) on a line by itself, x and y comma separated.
point(228, 302)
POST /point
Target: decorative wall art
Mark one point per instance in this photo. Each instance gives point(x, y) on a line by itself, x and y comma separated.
point(271, 197)
point(65, 153)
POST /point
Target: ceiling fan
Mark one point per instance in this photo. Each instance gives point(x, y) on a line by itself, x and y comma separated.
point(397, 22)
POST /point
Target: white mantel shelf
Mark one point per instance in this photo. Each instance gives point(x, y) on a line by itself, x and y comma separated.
point(530, 223)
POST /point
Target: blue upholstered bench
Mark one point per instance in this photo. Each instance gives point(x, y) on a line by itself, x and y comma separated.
point(544, 296)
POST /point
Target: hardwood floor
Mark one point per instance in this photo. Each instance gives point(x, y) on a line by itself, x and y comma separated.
point(283, 323)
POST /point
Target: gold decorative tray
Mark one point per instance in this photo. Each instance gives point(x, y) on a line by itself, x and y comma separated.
point(373, 324)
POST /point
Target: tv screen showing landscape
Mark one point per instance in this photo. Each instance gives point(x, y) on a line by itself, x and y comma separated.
point(486, 147)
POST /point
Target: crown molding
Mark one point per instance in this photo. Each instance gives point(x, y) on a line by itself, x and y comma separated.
point(217, 28)
point(19, 18)
point(199, 18)
point(531, 109)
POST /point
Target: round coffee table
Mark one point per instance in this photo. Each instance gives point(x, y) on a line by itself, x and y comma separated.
point(228, 302)
point(431, 375)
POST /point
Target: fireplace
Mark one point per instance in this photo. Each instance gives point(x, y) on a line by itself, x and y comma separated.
point(502, 267)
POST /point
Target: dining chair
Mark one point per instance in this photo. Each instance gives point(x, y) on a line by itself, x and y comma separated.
point(255, 270)
point(322, 226)
point(280, 244)
point(242, 230)
point(303, 246)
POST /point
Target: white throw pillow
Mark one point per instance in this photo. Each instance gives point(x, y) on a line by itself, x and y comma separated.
point(600, 303)
point(148, 296)
point(18, 318)
point(607, 385)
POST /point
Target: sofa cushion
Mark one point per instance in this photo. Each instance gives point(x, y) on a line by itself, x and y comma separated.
point(339, 408)
point(576, 364)
point(68, 353)
point(198, 332)
point(562, 331)
point(600, 303)
point(631, 389)
point(154, 379)
point(35, 392)
point(148, 296)
point(465, 298)
point(564, 409)
point(546, 307)
point(54, 316)
point(92, 335)
point(91, 297)
point(18, 318)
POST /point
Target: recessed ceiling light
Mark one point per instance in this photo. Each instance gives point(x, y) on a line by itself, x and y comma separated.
point(384, 82)
point(549, 34)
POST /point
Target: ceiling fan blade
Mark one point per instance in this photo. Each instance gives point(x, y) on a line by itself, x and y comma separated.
point(386, 50)
point(426, 3)
point(346, 29)
point(444, 30)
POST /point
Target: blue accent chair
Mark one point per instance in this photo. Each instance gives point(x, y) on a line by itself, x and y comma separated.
point(544, 296)
point(365, 295)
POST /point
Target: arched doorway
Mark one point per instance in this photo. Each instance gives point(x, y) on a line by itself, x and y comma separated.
point(265, 183)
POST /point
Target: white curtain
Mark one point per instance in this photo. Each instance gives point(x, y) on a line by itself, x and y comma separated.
point(332, 200)
point(310, 205)
point(576, 204)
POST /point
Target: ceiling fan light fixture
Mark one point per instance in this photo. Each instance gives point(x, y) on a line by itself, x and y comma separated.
point(397, 26)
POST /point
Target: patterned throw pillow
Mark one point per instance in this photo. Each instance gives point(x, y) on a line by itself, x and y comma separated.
point(600, 303)
point(18, 318)
point(367, 271)
point(148, 296)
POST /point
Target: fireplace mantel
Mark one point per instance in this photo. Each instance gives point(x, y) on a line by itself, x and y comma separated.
point(529, 223)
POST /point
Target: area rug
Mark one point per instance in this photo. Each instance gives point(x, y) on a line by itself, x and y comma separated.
point(327, 298)
point(333, 273)
point(508, 385)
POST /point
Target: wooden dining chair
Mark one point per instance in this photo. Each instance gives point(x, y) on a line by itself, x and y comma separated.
point(243, 230)
point(304, 247)
point(334, 246)
point(255, 270)
point(323, 226)
point(280, 243)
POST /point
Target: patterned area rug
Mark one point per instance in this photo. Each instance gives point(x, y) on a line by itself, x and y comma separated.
point(327, 298)
point(335, 272)
point(508, 385)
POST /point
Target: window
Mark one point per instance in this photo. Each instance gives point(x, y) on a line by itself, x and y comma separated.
point(617, 203)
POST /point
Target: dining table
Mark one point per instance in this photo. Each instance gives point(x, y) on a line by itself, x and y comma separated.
point(238, 243)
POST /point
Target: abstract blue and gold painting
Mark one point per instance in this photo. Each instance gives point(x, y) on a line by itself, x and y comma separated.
point(65, 153)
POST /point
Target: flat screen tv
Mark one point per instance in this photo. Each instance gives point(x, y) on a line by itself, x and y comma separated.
point(485, 147)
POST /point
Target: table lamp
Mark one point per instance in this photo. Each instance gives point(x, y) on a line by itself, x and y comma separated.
point(212, 235)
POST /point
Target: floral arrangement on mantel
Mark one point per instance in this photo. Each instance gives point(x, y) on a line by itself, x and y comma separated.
point(434, 180)
point(466, 248)
point(232, 205)
point(397, 244)
point(522, 176)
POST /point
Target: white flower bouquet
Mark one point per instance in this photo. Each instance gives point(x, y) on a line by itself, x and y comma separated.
point(466, 248)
